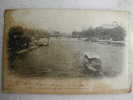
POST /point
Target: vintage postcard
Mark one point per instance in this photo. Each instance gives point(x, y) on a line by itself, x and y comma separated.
point(68, 51)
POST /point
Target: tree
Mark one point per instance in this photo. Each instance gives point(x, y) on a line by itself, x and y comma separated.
point(17, 40)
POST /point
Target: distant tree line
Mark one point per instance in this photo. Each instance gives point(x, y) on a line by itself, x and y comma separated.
point(116, 33)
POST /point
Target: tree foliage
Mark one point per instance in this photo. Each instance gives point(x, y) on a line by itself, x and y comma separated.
point(116, 33)
point(17, 41)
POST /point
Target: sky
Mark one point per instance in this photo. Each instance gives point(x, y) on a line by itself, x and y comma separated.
point(67, 20)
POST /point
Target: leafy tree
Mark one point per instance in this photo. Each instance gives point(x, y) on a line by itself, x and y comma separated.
point(17, 40)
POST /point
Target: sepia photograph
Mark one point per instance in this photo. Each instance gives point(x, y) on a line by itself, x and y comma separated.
point(65, 51)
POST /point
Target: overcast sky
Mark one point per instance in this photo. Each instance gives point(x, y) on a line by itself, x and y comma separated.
point(68, 20)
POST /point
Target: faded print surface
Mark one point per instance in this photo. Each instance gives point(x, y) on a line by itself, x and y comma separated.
point(68, 44)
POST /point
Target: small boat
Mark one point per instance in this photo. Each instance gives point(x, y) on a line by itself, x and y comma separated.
point(92, 62)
